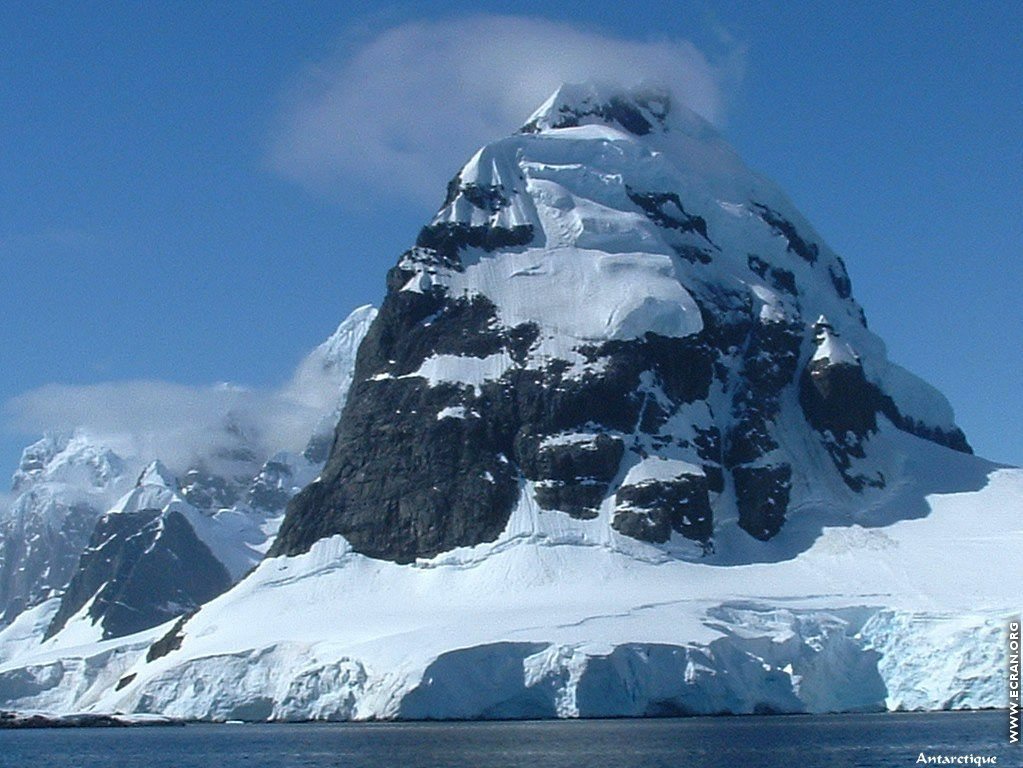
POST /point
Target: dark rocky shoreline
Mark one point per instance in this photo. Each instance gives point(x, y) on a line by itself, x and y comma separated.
point(11, 720)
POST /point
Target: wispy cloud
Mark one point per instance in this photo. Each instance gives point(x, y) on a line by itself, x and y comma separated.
point(181, 424)
point(399, 112)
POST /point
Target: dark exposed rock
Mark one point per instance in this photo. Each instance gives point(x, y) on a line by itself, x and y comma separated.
point(769, 364)
point(596, 458)
point(665, 209)
point(388, 484)
point(781, 279)
point(574, 476)
point(796, 244)
point(453, 188)
point(579, 499)
point(842, 405)
point(616, 110)
point(520, 339)
point(125, 681)
point(650, 511)
point(205, 490)
point(683, 367)
point(12, 720)
point(757, 265)
point(762, 496)
point(839, 402)
point(270, 490)
point(840, 279)
point(715, 475)
point(490, 198)
point(412, 326)
point(843, 450)
point(838, 398)
point(953, 438)
point(403, 484)
point(36, 559)
point(627, 116)
point(129, 592)
point(318, 448)
point(447, 239)
point(693, 254)
point(169, 642)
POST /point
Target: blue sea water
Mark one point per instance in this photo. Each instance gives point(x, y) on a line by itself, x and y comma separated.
point(834, 741)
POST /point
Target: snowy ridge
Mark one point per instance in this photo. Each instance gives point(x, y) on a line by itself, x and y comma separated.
point(330, 367)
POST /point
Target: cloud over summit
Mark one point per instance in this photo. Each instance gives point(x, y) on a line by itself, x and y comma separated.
point(400, 112)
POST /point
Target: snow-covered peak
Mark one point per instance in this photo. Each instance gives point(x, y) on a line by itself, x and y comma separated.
point(157, 474)
point(616, 212)
point(61, 486)
point(324, 377)
point(327, 370)
point(637, 111)
point(642, 110)
point(613, 263)
point(68, 459)
point(338, 352)
point(153, 491)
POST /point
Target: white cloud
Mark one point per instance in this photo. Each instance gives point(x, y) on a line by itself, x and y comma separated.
point(178, 423)
point(402, 111)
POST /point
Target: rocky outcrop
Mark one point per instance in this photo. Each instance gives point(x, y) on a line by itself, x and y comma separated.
point(843, 406)
point(127, 592)
point(650, 509)
point(572, 472)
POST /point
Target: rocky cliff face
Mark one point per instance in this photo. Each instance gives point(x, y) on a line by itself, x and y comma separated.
point(612, 317)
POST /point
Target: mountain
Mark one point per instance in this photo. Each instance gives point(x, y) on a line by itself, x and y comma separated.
point(103, 557)
point(61, 487)
point(609, 307)
point(618, 442)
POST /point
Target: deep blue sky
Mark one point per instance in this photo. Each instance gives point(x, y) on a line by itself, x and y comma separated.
point(149, 228)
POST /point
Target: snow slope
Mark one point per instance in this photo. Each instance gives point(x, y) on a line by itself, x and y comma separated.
point(568, 618)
